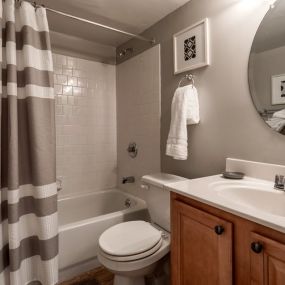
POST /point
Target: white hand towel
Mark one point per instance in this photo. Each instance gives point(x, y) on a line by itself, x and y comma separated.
point(276, 124)
point(184, 111)
point(280, 114)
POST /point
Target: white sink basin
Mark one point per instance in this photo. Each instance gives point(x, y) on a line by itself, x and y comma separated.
point(253, 198)
point(256, 195)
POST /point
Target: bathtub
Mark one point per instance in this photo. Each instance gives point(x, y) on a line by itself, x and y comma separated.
point(82, 219)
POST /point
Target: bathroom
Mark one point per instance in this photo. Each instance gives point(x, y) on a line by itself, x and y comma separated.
point(145, 144)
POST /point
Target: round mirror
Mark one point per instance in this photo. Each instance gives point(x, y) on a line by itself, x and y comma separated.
point(267, 68)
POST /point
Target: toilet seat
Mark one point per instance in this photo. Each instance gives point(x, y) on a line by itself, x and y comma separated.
point(139, 264)
point(133, 257)
point(130, 241)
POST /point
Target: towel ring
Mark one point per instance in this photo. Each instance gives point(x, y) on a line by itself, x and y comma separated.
point(189, 77)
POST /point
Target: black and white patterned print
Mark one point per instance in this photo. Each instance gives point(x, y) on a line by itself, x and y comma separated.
point(190, 48)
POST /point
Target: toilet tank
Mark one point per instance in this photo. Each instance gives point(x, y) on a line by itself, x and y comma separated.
point(158, 197)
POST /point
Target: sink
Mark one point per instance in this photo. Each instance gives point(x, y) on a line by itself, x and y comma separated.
point(256, 195)
point(253, 198)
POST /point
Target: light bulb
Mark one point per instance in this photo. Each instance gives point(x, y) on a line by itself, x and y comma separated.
point(271, 3)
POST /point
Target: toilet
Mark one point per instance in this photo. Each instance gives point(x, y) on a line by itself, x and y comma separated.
point(132, 250)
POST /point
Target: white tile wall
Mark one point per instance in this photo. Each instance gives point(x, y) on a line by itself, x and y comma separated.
point(138, 108)
point(85, 124)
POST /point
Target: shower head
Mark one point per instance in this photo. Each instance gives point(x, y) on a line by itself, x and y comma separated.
point(125, 52)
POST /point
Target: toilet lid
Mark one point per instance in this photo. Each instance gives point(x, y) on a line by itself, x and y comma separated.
point(132, 257)
point(129, 238)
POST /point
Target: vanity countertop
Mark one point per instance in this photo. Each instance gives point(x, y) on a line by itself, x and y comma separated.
point(250, 198)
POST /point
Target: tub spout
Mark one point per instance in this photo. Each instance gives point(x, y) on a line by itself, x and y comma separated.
point(129, 179)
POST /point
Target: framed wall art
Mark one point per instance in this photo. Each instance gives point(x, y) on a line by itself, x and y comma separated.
point(278, 89)
point(191, 47)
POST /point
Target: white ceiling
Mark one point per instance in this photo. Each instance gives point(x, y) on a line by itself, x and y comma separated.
point(132, 15)
point(271, 33)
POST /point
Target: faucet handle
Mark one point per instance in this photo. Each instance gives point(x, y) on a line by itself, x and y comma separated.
point(279, 182)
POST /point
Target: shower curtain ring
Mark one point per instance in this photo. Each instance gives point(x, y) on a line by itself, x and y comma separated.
point(18, 3)
point(36, 5)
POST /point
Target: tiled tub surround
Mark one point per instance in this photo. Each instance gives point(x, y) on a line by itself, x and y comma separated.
point(138, 108)
point(85, 124)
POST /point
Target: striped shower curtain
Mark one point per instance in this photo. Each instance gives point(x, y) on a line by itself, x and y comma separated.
point(28, 229)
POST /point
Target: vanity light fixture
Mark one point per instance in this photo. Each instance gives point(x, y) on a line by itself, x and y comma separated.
point(271, 3)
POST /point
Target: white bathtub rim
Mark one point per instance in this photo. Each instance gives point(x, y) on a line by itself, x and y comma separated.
point(100, 218)
point(84, 194)
point(140, 205)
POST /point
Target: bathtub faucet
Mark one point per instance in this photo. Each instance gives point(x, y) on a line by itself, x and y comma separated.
point(129, 179)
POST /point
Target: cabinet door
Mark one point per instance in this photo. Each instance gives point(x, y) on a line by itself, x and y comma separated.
point(267, 261)
point(201, 247)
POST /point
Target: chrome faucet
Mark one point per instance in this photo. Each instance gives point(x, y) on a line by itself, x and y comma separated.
point(129, 179)
point(279, 182)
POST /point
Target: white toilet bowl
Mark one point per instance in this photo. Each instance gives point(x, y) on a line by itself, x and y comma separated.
point(132, 250)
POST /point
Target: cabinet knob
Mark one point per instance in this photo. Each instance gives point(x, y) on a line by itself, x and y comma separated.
point(256, 247)
point(219, 230)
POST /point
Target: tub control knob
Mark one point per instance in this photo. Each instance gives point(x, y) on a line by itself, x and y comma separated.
point(145, 186)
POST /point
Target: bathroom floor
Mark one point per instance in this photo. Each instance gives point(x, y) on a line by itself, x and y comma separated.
point(97, 276)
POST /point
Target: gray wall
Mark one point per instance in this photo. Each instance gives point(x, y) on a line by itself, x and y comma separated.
point(230, 125)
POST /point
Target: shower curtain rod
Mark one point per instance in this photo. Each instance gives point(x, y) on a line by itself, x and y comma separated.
point(92, 22)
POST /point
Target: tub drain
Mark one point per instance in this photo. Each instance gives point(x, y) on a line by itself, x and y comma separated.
point(128, 203)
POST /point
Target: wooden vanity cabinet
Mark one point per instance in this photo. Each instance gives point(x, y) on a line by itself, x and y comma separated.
point(202, 247)
point(267, 261)
point(212, 247)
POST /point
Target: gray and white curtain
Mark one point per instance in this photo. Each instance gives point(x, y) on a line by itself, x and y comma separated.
point(28, 229)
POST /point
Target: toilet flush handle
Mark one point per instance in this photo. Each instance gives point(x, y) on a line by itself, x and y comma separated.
point(145, 186)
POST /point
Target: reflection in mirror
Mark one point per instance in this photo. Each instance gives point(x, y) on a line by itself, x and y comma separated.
point(267, 68)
